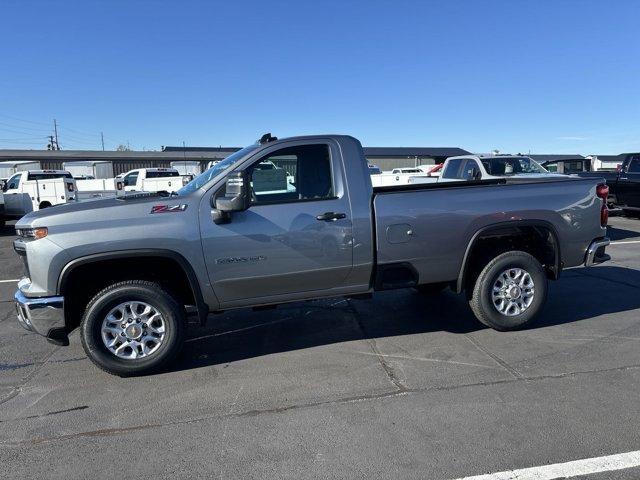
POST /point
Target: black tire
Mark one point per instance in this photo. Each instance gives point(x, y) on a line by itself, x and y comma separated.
point(132, 290)
point(432, 288)
point(481, 301)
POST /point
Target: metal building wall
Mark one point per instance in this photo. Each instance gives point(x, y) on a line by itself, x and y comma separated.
point(390, 163)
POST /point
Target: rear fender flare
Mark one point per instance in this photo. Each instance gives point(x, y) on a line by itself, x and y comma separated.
point(516, 223)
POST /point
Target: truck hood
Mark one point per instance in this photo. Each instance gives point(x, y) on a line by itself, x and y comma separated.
point(89, 211)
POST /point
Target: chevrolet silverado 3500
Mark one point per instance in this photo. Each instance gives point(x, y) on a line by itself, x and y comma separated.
point(131, 271)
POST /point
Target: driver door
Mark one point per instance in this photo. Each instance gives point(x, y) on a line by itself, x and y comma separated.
point(295, 237)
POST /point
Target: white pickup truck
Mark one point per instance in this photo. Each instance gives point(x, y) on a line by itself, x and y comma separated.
point(33, 190)
point(152, 180)
point(477, 167)
point(406, 176)
point(139, 180)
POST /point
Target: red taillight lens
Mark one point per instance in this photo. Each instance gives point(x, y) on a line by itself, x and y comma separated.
point(70, 187)
point(602, 191)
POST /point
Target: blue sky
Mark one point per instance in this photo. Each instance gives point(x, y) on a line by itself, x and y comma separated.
point(539, 76)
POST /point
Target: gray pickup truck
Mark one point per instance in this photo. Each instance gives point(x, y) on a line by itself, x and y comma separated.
point(289, 220)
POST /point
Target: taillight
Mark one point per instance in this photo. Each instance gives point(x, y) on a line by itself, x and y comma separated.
point(602, 191)
point(119, 185)
point(70, 187)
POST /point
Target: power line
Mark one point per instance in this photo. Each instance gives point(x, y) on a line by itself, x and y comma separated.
point(22, 120)
point(30, 129)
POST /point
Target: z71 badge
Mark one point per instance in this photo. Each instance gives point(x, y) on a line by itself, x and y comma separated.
point(168, 208)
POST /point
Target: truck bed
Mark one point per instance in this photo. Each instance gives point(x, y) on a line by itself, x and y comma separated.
point(429, 227)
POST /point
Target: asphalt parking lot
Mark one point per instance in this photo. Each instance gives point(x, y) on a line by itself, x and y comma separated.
point(398, 387)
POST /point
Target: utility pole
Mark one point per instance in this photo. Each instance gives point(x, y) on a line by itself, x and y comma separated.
point(55, 131)
point(102, 139)
point(50, 146)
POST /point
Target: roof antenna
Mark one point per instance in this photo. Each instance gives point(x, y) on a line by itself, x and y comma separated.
point(266, 138)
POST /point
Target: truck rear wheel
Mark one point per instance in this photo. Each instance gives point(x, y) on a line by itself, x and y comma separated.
point(132, 328)
point(510, 291)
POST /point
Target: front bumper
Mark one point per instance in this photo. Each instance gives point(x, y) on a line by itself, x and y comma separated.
point(42, 315)
point(595, 253)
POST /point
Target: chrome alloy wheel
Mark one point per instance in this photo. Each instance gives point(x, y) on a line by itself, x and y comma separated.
point(133, 330)
point(513, 292)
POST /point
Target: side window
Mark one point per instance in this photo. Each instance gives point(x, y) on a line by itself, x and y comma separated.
point(131, 179)
point(469, 167)
point(634, 164)
point(292, 174)
point(452, 170)
point(14, 182)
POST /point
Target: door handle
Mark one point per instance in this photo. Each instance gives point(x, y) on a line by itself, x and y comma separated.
point(330, 216)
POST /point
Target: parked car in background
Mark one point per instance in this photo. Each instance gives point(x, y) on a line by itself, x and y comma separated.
point(33, 190)
point(624, 185)
point(229, 239)
point(474, 167)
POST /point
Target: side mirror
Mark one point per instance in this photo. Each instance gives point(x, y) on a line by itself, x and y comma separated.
point(237, 197)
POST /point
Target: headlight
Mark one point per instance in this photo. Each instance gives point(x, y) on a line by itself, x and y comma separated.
point(35, 233)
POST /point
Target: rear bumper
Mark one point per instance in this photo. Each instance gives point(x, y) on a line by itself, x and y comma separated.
point(42, 315)
point(596, 252)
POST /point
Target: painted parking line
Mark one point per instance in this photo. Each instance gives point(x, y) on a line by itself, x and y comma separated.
point(577, 468)
point(619, 242)
point(15, 280)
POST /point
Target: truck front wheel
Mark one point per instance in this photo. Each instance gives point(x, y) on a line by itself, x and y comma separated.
point(132, 328)
point(510, 291)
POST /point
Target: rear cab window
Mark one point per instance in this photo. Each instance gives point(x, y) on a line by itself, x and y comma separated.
point(48, 175)
point(459, 168)
point(162, 174)
point(634, 164)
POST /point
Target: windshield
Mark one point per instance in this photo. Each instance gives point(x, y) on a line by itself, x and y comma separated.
point(512, 166)
point(205, 177)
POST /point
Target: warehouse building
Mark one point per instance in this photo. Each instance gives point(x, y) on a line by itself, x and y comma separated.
point(386, 158)
point(122, 161)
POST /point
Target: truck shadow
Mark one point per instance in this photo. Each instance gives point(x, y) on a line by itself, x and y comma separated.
point(248, 334)
point(8, 230)
point(621, 234)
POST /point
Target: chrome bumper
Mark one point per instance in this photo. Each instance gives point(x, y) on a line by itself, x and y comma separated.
point(44, 315)
point(595, 253)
